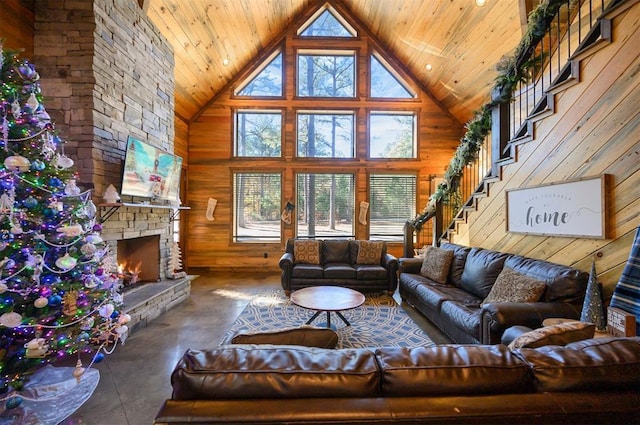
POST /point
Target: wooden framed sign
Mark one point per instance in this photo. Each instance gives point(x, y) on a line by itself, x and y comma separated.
point(574, 208)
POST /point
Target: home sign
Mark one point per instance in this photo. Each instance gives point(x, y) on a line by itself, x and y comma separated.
point(574, 208)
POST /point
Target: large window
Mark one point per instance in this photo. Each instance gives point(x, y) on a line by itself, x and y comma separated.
point(325, 205)
point(325, 135)
point(326, 109)
point(258, 133)
point(326, 74)
point(256, 207)
point(392, 198)
point(392, 135)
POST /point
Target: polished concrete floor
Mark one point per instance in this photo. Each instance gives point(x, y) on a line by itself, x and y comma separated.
point(134, 380)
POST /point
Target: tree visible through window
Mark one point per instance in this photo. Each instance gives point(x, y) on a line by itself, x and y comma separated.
point(392, 198)
point(327, 25)
point(326, 75)
point(257, 207)
point(268, 81)
point(325, 205)
point(325, 135)
point(392, 135)
point(258, 133)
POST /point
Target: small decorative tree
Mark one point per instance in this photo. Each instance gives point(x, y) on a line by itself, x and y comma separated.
point(58, 286)
point(174, 269)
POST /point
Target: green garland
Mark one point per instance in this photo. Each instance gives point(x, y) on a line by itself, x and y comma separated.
point(511, 71)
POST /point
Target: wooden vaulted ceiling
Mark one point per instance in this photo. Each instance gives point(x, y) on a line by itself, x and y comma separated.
point(461, 41)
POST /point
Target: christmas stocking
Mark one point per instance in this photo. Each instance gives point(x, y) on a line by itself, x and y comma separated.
point(211, 207)
point(364, 207)
point(286, 213)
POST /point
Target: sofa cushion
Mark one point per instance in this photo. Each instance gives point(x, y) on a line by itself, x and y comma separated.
point(306, 252)
point(370, 272)
point(460, 253)
point(335, 251)
point(481, 271)
point(307, 271)
point(275, 372)
point(597, 364)
point(339, 271)
point(514, 287)
point(307, 336)
point(436, 264)
point(369, 252)
point(451, 370)
point(433, 294)
point(564, 283)
point(560, 334)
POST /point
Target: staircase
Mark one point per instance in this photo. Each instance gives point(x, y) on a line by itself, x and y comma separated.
point(571, 37)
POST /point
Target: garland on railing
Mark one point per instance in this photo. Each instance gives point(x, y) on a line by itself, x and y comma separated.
point(511, 71)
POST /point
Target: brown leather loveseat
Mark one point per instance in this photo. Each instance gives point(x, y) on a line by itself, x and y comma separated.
point(360, 265)
point(594, 381)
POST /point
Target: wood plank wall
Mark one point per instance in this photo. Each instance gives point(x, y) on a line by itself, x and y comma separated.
point(211, 163)
point(595, 130)
point(16, 26)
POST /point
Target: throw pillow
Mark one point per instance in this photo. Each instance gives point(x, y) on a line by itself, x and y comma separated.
point(514, 287)
point(306, 252)
point(560, 334)
point(305, 335)
point(436, 263)
point(369, 252)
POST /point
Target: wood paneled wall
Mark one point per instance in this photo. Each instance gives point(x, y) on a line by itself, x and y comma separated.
point(595, 130)
point(16, 26)
point(211, 161)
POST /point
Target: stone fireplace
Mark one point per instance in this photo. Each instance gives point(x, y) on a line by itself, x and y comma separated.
point(107, 73)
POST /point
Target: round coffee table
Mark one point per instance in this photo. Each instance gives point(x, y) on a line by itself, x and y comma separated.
point(327, 299)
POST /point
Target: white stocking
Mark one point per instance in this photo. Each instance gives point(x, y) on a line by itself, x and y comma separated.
point(364, 207)
point(211, 207)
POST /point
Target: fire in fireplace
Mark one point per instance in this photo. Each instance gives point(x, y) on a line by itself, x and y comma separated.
point(139, 259)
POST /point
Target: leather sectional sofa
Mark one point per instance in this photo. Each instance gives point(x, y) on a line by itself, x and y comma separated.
point(456, 306)
point(338, 263)
point(596, 381)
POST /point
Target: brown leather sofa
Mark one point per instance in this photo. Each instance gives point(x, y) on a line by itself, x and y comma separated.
point(596, 381)
point(455, 307)
point(338, 266)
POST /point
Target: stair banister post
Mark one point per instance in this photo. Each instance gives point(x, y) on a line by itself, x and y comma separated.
point(407, 246)
point(499, 132)
point(438, 222)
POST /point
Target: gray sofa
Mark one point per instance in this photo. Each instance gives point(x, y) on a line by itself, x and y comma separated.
point(338, 266)
point(596, 381)
point(455, 306)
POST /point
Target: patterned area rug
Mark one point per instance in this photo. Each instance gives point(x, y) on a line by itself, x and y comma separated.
point(379, 322)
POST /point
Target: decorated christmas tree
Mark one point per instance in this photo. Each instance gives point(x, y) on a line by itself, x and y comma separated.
point(58, 283)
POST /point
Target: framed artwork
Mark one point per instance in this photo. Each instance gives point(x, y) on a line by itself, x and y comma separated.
point(573, 208)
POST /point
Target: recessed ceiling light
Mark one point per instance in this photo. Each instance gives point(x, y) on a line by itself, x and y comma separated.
point(225, 61)
point(481, 3)
point(428, 67)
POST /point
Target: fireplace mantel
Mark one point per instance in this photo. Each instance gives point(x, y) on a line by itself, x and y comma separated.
point(114, 206)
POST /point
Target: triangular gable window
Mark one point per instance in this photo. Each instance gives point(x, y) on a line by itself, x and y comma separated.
point(266, 81)
point(385, 83)
point(327, 23)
